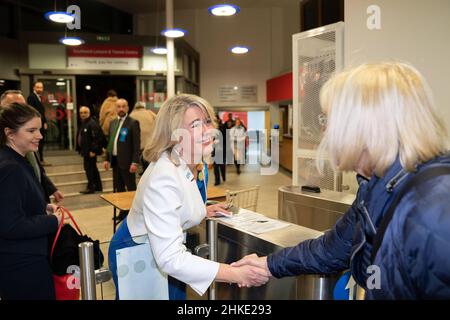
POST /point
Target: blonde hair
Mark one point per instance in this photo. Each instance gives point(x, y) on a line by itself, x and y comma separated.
point(384, 109)
point(169, 119)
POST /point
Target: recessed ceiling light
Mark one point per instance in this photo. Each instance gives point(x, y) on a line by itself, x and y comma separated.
point(159, 50)
point(224, 10)
point(173, 33)
point(87, 87)
point(59, 16)
point(71, 41)
point(240, 50)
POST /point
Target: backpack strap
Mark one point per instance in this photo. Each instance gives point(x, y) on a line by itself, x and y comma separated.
point(421, 177)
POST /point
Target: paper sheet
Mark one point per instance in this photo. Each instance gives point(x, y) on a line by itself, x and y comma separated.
point(254, 222)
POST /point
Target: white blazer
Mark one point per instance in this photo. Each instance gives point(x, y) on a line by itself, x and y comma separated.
point(166, 204)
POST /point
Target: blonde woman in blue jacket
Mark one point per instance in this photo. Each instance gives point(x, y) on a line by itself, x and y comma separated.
point(382, 123)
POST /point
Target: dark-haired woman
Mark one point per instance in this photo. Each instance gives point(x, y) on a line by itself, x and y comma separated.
point(25, 218)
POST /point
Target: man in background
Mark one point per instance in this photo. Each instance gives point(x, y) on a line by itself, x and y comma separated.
point(108, 111)
point(15, 96)
point(146, 119)
point(35, 100)
point(124, 145)
point(90, 144)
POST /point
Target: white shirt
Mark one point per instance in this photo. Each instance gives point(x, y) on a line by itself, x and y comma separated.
point(121, 121)
point(167, 203)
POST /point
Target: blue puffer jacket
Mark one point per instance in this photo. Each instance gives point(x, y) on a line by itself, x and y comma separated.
point(414, 257)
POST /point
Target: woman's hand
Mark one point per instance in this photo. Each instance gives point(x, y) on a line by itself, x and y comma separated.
point(58, 215)
point(255, 261)
point(244, 276)
point(214, 209)
point(51, 208)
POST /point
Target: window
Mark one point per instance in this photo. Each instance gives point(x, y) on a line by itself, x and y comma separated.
point(317, 13)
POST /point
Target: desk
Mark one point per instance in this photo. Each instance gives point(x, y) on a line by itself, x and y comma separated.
point(122, 201)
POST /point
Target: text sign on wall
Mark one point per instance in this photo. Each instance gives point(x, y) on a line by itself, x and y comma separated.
point(104, 57)
point(239, 94)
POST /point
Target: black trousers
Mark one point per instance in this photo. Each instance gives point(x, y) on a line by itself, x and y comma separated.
point(25, 277)
point(92, 174)
point(219, 169)
point(122, 178)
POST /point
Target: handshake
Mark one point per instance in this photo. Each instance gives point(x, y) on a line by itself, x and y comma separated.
point(250, 271)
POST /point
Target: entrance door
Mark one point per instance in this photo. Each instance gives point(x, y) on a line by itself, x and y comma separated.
point(59, 99)
point(152, 91)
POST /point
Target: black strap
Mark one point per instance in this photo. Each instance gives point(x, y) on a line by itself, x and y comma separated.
point(421, 177)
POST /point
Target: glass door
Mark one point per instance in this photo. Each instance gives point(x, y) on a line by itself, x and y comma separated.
point(59, 100)
point(152, 91)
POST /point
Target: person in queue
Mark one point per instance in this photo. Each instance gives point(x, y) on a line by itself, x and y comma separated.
point(26, 220)
point(168, 200)
point(15, 96)
point(382, 123)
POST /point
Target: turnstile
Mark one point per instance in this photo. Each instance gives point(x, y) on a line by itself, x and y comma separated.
point(233, 244)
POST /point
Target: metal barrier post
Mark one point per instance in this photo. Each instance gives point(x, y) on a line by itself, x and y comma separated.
point(87, 271)
point(211, 234)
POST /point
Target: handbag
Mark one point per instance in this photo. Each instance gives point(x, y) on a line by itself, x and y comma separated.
point(64, 258)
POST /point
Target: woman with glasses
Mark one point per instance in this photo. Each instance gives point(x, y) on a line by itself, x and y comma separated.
point(168, 202)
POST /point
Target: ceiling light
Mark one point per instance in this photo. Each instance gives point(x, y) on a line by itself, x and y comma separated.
point(87, 87)
point(240, 50)
point(173, 33)
point(223, 10)
point(60, 84)
point(71, 41)
point(159, 50)
point(59, 16)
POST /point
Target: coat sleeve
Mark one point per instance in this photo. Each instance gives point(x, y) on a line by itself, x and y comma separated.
point(96, 138)
point(163, 201)
point(14, 222)
point(48, 185)
point(327, 254)
point(136, 143)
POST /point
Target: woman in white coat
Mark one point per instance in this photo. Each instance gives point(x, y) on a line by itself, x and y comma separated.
point(168, 203)
point(238, 135)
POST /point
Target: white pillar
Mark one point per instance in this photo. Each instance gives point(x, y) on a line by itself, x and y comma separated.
point(170, 51)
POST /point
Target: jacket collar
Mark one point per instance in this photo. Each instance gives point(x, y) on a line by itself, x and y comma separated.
point(13, 154)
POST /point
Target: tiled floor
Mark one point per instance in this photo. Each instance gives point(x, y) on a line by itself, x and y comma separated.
point(96, 222)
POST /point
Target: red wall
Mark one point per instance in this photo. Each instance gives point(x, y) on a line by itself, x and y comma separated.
point(279, 88)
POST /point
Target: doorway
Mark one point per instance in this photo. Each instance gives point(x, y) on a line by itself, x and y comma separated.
point(92, 90)
point(58, 100)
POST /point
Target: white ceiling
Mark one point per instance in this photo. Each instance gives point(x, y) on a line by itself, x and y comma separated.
point(146, 6)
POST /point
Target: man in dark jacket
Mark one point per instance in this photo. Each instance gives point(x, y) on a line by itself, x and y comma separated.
point(35, 100)
point(89, 144)
point(123, 148)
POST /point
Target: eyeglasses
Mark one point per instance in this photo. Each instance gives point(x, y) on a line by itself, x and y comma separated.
point(199, 123)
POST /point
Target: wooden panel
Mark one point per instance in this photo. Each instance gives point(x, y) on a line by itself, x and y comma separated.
point(286, 153)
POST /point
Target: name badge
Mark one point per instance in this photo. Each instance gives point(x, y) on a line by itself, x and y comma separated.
point(123, 134)
point(189, 175)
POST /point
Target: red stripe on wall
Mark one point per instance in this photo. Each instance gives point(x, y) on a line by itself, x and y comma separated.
point(279, 88)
